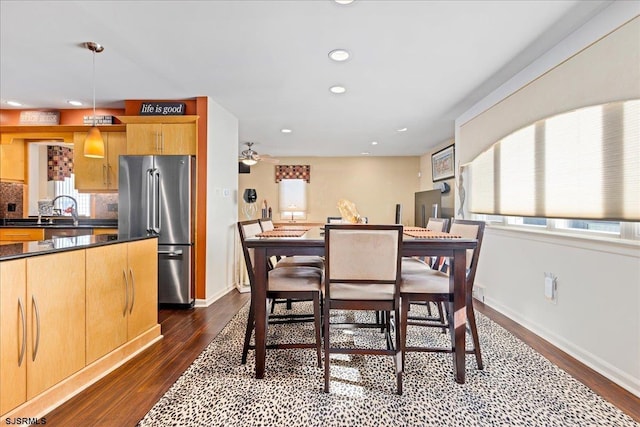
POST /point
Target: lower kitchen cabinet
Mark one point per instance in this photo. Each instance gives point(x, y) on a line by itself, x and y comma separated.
point(21, 234)
point(42, 318)
point(13, 334)
point(122, 294)
point(69, 317)
point(55, 318)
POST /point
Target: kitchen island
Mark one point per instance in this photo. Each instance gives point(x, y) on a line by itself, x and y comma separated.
point(72, 309)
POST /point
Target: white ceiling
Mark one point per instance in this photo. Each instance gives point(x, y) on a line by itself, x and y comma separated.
point(415, 64)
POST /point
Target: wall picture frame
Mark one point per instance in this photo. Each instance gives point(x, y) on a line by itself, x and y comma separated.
point(443, 164)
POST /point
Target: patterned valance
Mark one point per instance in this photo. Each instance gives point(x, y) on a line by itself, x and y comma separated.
point(59, 163)
point(293, 172)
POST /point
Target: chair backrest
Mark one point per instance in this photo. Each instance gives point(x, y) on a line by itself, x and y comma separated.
point(438, 224)
point(267, 224)
point(334, 220)
point(248, 229)
point(472, 230)
point(361, 253)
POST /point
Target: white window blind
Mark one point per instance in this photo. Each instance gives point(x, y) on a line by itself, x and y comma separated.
point(583, 164)
point(67, 187)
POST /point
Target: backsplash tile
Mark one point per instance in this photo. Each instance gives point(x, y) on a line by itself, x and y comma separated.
point(11, 193)
point(106, 206)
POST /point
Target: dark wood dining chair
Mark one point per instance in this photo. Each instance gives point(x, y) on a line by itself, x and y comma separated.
point(292, 261)
point(433, 286)
point(302, 282)
point(362, 272)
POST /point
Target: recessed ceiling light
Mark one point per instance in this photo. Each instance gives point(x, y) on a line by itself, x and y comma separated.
point(285, 130)
point(339, 55)
point(337, 89)
point(14, 103)
point(365, 153)
point(402, 130)
point(343, 1)
point(374, 142)
point(75, 103)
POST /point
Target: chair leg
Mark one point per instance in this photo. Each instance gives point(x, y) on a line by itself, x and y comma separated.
point(399, 359)
point(289, 304)
point(404, 309)
point(318, 326)
point(247, 334)
point(326, 347)
point(471, 318)
point(441, 315)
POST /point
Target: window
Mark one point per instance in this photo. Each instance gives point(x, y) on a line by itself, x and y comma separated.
point(293, 199)
point(67, 187)
point(583, 165)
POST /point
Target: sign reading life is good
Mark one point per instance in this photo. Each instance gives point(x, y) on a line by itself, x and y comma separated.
point(162, 108)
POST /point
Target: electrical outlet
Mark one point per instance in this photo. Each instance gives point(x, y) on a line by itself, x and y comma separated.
point(11, 207)
point(112, 207)
point(550, 287)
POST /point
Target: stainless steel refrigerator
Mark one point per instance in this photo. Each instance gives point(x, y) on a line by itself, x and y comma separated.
point(156, 197)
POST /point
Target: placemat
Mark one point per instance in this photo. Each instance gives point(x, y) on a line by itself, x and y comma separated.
point(294, 227)
point(427, 234)
point(282, 233)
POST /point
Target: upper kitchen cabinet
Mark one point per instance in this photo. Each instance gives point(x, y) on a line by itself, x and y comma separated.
point(152, 135)
point(98, 175)
point(12, 161)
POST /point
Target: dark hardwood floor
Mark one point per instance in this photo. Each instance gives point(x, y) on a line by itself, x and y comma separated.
point(123, 397)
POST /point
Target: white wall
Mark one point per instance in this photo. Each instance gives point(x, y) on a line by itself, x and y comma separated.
point(222, 188)
point(597, 315)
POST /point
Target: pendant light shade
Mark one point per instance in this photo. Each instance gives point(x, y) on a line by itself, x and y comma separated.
point(94, 144)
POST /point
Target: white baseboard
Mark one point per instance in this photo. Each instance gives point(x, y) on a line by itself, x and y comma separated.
point(213, 298)
point(604, 368)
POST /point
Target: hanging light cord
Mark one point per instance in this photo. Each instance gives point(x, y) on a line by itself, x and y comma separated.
point(94, 88)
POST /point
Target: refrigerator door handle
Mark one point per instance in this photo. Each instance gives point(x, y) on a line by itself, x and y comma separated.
point(149, 204)
point(171, 253)
point(157, 219)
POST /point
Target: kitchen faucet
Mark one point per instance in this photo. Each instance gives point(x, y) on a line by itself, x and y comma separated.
point(74, 208)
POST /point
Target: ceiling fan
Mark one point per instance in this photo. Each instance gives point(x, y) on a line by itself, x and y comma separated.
point(250, 157)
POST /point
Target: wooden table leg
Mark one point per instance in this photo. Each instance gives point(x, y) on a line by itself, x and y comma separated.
point(259, 297)
point(458, 281)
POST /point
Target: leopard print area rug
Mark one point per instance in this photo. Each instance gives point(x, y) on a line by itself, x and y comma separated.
point(518, 387)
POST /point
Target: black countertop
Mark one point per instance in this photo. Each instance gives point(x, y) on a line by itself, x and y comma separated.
point(58, 222)
point(60, 244)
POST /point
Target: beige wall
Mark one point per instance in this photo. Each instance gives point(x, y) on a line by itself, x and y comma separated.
point(374, 184)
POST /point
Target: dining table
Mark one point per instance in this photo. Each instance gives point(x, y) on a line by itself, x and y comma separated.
point(312, 242)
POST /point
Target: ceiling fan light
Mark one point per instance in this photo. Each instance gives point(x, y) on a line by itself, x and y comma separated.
point(249, 162)
point(94, 144)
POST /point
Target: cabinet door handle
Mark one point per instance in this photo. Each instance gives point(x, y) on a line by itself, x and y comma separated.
point(104, 174)
point(133, 291)
point(37, 343)
point(109, 174)
point(162, 144)
point(126, 293)
point(23, 347)
point(157, 141)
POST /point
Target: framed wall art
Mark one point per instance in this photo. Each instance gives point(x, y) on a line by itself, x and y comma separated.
point(442, 164)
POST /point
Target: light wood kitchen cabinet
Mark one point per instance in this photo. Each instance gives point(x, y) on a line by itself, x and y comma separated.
point(13, 334)
point(21, 234)
point(98, 175)
point(12, 161)
point(121, 294)
point(143, 275)
point(42, 329)
point(152, 135)
point(55, 318)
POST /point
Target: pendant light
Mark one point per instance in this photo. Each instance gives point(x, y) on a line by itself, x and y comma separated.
point(94, 144)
